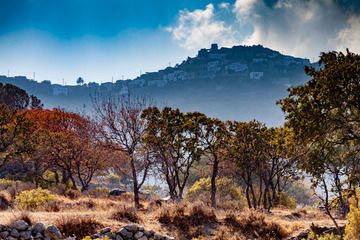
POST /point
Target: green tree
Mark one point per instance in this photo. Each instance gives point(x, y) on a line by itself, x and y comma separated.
point(324, 114)
point(173, 136)
point(214, 139)
point(17, 98)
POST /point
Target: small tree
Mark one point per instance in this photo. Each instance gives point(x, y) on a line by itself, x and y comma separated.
point(173, 136)
point(80, 81)
point(123, 129)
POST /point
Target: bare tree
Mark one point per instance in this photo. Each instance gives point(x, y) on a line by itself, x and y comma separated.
point(123, 130)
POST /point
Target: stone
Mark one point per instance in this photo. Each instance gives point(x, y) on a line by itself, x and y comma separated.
point(38, 228)
point(52, 232)
point(20, 225)
point(138, 235)
point(132, 227)
point(157, 236)
point(4, 234)
point(105, 230)
point(11, 238)
point(38, 235)
point(125, 233)
point(116, 192)
point(118, 237)
point(25, 234)
point(143, 238)
point(15, 233)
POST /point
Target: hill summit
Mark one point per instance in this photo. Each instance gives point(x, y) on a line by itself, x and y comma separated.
point(238, 83)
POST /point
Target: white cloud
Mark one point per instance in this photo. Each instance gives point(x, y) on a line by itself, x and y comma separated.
point(224, 5)
point(349, 37)
point(297, 27)
point(200, 28)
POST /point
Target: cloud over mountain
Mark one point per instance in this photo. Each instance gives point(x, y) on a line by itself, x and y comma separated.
point(298, 27)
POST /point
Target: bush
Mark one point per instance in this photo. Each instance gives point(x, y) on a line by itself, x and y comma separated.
point(189, 220)
point(286, 201)
point(352, 229)
point(6, 183)
point(253, 225)
point(226, 190)
point(14, 187)
point(72, 194)
point(126, 214)
point(99, 192)
point(78, 226)
point(32, 199)
point(327, 236)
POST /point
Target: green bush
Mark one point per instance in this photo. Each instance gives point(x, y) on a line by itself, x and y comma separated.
point(7, 183)
point(286, 201)
point(226, 189)
point(327, 236)
point(352, 229)
point(34, 198)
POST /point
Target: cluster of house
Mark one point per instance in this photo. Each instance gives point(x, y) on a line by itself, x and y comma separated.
point(209, 63)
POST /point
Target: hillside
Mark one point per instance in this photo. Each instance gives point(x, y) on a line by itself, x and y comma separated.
point(242, 83)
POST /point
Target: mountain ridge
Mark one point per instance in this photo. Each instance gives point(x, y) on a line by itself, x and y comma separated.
point(238, 83)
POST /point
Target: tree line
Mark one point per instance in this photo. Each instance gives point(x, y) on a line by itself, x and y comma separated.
point(320, 138)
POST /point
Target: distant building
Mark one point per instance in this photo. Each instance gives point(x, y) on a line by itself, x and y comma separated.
point(236, 67)
point(213, 66)
point(214, 47)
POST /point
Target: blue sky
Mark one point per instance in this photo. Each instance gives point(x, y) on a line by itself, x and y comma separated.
point(101, 39)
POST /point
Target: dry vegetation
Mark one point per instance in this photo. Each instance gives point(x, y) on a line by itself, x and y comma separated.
point(83, 215)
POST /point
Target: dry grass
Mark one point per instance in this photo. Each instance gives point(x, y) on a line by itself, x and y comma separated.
point(6, 200)
point(183, 221)
point(78, 227)
point(23, 215)
point(125, 213)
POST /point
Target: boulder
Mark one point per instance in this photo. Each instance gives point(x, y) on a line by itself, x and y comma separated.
point(116, 192)
point(52, 232)
point(20, 225)
point(125, 233)
point(25, 234)
point(38, 228)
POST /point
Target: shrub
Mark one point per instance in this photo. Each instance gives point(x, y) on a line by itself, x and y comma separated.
point(99, 192)
point(14, 187)
point(126, 214)
point(32, 199)
point(253, 225)
point(326, 236)
point(72, 194)
point(286, 201)
point(189, 220)
point(352, 229)
point(6, 183)
point(79, 227)
point(226, 189)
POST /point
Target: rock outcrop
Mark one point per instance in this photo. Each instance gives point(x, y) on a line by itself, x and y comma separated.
point(22, 230)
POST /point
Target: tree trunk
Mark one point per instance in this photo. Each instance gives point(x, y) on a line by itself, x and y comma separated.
point(248, 196)
point(135, 186)
point(213, 182)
